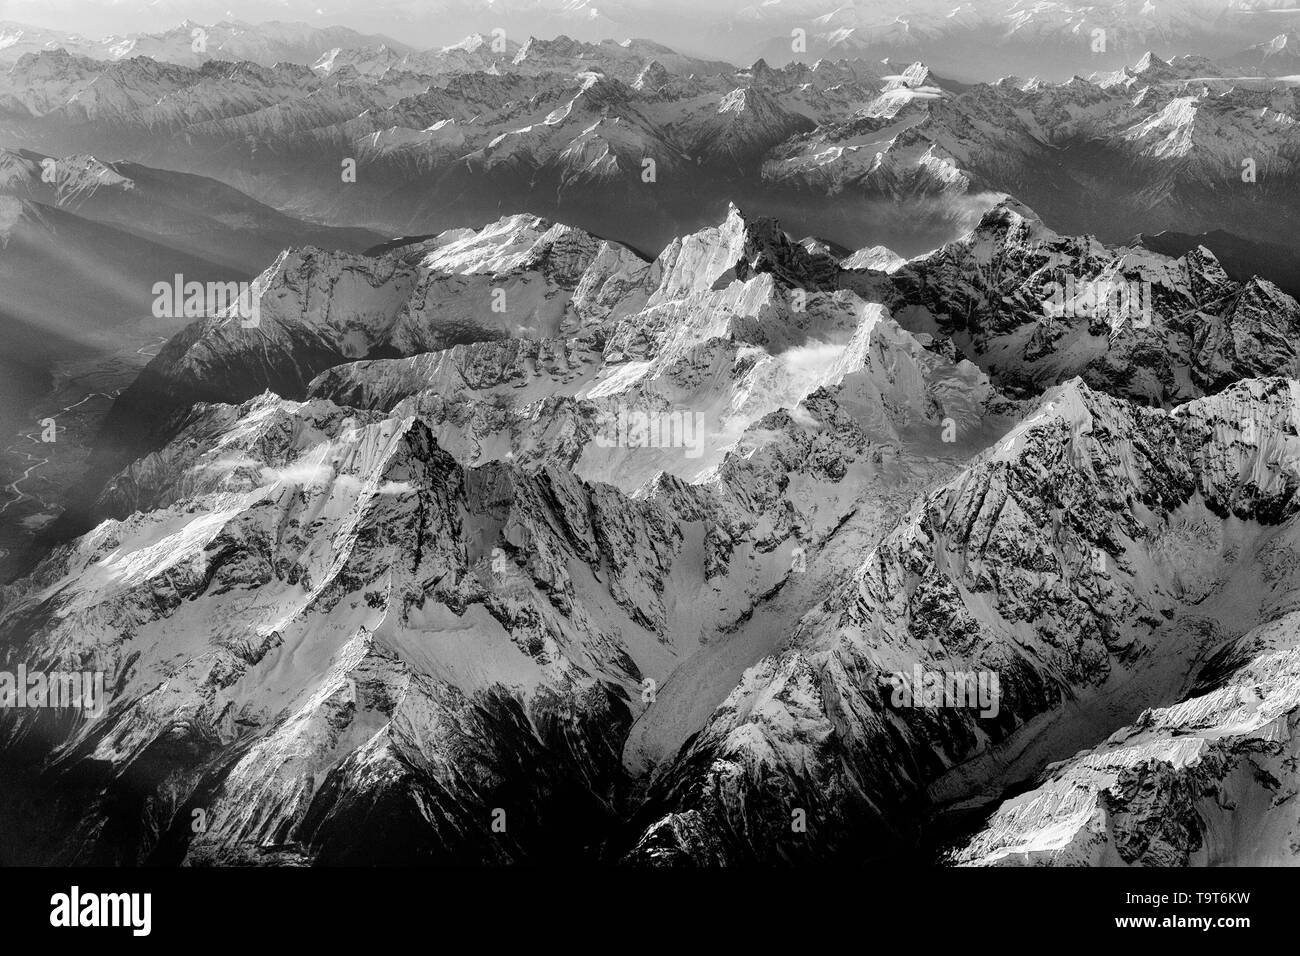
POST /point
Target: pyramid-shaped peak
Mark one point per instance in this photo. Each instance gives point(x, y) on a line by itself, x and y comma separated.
point(1010, 206)
point(471, 43)
point(652, 76)
point(916, 73)
point(1011, 216)
point(1149, 63)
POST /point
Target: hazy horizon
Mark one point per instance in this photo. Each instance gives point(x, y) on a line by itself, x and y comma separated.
point(726, 26)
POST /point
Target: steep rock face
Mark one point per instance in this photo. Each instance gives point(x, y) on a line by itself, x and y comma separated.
point(519, 278)
point(1208, 781)
point(315, 619)
point(1251, 333)
point(730, 324)
point(281, 608)
point(510, 368)
point(684, 409)
point(1034, 308)
point(1081, 563)
point(881, 147)
point(340, 645)
point(747, 123)
point(736, 328)
point(312, 310)
point(461, 581)
point(880, 258)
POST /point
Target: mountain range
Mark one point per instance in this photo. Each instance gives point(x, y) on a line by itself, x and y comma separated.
point(855, 151)
point(1052, 40)
point(619, 455)
point(389, 567)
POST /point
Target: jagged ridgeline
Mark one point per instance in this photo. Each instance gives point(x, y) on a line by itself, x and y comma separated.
point(510, 544)
point(638, 142)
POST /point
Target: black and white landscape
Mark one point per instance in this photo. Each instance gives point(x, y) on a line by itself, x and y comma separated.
point(651, 434)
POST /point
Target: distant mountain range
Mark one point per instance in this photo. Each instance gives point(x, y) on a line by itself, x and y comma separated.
point(962, 39)
point(856, 152)
point(193, 43)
